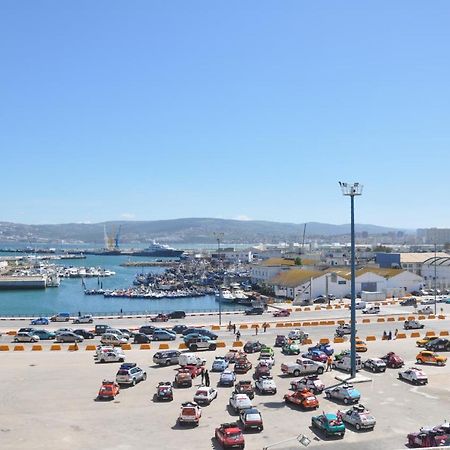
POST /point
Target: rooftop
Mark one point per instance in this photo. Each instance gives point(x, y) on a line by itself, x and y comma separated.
point(295, 277)
point(273, 262)
point(417, 258)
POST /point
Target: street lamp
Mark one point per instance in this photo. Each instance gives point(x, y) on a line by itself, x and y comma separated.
point(351, 190)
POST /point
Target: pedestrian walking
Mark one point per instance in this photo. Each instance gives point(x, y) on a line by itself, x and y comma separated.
point(256, 329)
point(238, 336)
point(384, 335)
point(203, 377)
point(121, 311)
point(234, 328)
point(390, 336)
point(79, 313)
point(229, 326)
point(395, 334)
point(339, 414)
point(329, 363)
point(206, 378)
point(265, 326)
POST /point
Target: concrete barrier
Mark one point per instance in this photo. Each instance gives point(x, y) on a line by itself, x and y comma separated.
point(307, 342)
point(337, 306)
point(254, 325)
point(238, 344)
point(380, 319)
point(329, 307)
point(221, 344)
point(307, 308)
point(366, 321)
point(415, 334)
point(215, 327)
point(340, 322)
point(323, 322)
point(4, 348)
point(306, 324)
point(126, 346)
point(338, 340)
point(11, 333)
point(243, 326)
point(19, 348)
point(36, 348)
point(401, 318)
point(443, 333)
point(73, 348)
point(288, 324)
point(298, 309)
point(432, 316)
point(421, 318)
point(324, 341)
point(317, 308)
point(148, 346)
point(90, 347)
point(296, 324)
point(163, 346)
point(55, 347)
point(371, 338)
point(430, 333)
point(441, 316)
point(314, 324)
point(391, 319)
point(280, 325)
point(411, 317)
point(401, 336)
point(331, 322)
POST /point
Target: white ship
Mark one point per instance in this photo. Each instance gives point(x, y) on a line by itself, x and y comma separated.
point(225, 295)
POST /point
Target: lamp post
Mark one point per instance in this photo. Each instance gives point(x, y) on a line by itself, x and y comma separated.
point(435, 280)
point(351, 190)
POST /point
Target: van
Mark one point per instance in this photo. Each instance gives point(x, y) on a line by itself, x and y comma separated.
point(101, 329)
point(360, 305)
point(113, 339)
point(345, 363)
point(60, 317)
point(371, 310)
point(186, 359)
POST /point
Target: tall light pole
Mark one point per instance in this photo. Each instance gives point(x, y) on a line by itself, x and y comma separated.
point(351, 190)
point(435, 280)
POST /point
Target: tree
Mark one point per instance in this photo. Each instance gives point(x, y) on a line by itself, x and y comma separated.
point(298, 261)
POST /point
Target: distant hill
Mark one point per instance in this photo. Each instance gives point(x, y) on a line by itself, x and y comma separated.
point(190, 230)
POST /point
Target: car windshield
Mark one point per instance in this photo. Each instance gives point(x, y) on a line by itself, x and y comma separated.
point(234, 435)
point(310, 398)
point(201, 393)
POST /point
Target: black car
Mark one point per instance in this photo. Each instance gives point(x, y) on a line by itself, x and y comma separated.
point(280, 340)
point(101, 329)
point(176, 315)
point(179, 329)
point(255, 311)
point(320, 299)
point(439, 344)
point(147, 329)
point(86, 334)
point(411, 301)
point(26, 330)
point(141, 338)
point(252, 347)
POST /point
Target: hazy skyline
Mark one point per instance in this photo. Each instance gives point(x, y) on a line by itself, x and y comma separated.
point(150, 110)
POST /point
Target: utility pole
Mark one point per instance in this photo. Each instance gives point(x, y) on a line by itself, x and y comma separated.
point(435, 280)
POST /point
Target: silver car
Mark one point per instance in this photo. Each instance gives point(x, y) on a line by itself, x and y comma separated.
point(346, 393)
point(164, 358)
point(26, 337)
point(359, 417)
point(129, 373)
point(69, 337)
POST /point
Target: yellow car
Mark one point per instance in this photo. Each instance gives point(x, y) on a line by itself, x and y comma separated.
point(427, 357)
point(423, 341)
point(361, 346)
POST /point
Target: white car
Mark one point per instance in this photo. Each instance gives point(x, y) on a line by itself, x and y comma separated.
point(113, 339)
point(311, 382)
point(84, 319)
point(238, 402)
point(26, 337)
point(297, 335)
point(205, 395)
point(375, 365)
point(413, 325)
point(266, 385)
point(109, 354)
point(303, 366)
point(413, 375)
point(425, 310)
point(359, 417)
point(269, 360)
point(427, 301)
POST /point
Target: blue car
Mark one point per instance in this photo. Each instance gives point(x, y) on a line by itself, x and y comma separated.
point(44, 334)
point(219, 364)
point(227, 378)
point(326, 348)
point(345, 393)
point(40, 321)
point(163, 335)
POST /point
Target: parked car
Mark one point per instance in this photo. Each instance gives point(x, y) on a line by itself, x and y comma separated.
point(262, 369)
point(291, 349)
point(202, 343)
point(164, 391)
point(159, 318)
point(359, 417)
point(69, 337)
point(329, 424)
point(429, 357)
point(266, 385)
point(86, 334)
point(425, 310)
point(282, 313)
point(303, 367)
point(147, 329)
point(410, 301)
point(251, 419)
point(219, 364)
point(108, 390)
point(109, 354)
point(60, 317)
point(26, 337)
point(177, 315)
point(425, 340)
point(412, 325)
point(113, 339)
point(101, 329)
point(190, 359)
point(63, 330)
point(227, 378)
point(230, 435)
point(361, 346)
point(166, 357)
point(190, 414)
point(183, 378)
point(393, 361)
point(238, 402)
point(311, 383)
point(205, 395)
point(233, 355)
point(345, 393)
point(252, 347)
point(304, 398)
point(141, 338)
point(178, 329)
point(245, 387)
point(40, 321)
point(201, 332)
point(281, 340)
point(130, 373)
point(87, 318)
point(413, 375)
point(440, 344)
point(325, 348)
point(344, 329)
point(316, 355)
point(163, 335)
point(375, 364)
point(242, 365)
point(298, 335)
point(44, 334)
point(26, 330)
point(427, 438)
point(256, 311)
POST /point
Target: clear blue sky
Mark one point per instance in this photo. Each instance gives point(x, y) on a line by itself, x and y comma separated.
point(163, 109)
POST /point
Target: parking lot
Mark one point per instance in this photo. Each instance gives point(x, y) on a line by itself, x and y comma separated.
point(52, 394)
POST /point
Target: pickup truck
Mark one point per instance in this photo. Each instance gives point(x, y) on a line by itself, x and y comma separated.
point(303, 367)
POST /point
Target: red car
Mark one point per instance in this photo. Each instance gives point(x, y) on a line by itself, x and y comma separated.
point(435, 437)
point(108, 390)
point(392, 360)
point(282, 313)
point(160, 318)
point(230, 436)
point(262, 369)
point(304, 398)
point(194, 370)
point(243, 365)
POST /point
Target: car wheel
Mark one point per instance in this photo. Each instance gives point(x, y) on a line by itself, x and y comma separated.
point(156, 338)
point(345, 401)
point(144, 377)
point(296, 373)
point(320, 370)
point(418, 361)
point(16, 340)
point(212, 347)
point(133, 382)
point(194, 348)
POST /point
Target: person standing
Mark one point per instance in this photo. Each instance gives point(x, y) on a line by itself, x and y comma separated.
point(238, 336)
point(206, 378)
point(203, 376)
point(265, 326)
point(395, 334)
point(329, 363)
point(229, 326)
point(234, 328)
point(390, 336)
point(256, 329)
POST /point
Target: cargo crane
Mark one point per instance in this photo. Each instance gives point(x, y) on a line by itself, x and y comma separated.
point(111, 240)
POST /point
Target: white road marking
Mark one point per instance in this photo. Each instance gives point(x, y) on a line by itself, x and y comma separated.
point(416, 391)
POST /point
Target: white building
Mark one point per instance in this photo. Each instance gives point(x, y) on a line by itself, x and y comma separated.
point(263, 271)
point(439, 267)
point(413, 262)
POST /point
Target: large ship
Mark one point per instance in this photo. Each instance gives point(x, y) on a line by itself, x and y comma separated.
point(158, 250)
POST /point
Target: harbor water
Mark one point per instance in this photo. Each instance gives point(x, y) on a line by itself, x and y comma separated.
point(70, 297)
